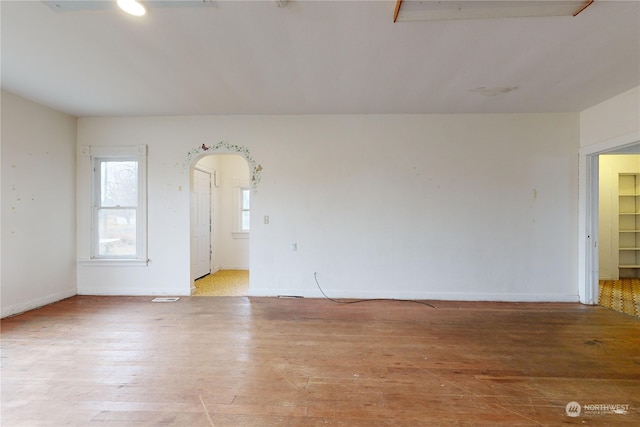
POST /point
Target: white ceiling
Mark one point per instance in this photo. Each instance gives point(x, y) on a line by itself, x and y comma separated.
point(242, 57)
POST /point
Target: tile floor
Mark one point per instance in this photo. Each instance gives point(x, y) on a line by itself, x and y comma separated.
point(227, 283)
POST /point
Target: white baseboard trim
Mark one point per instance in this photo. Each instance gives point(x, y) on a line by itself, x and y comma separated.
point(234, 267)
point(135, 292)
point(36, 303)
point(437, 296)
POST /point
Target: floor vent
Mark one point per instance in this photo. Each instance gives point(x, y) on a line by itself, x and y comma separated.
point(165, 299)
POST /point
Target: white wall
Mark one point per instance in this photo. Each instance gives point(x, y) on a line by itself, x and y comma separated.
point(402, 206)
point(230, 251)
point(617, 117)
point(610, 168)
point(38, 205)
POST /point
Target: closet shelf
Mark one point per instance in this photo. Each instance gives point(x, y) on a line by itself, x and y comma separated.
point(628, 225)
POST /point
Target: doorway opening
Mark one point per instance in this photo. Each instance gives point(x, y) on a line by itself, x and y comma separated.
point(589, 217)
point(619, 230)
point(220, 225)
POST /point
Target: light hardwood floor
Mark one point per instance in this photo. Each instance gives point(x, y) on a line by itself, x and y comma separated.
point(237, 361)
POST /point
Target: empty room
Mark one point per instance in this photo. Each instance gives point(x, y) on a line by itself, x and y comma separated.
point(434, 206)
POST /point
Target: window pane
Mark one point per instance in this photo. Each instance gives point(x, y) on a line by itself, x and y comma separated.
point(119, 183)
point(245, 220)
point(246, 199)
point(117, 232)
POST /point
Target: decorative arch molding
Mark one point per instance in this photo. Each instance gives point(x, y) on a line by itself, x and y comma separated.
point(223, 147)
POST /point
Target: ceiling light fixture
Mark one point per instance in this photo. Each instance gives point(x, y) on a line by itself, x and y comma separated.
point(413, 10)
point(132, 7)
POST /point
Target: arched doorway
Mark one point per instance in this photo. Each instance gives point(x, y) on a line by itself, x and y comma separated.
point(220, 225)
point(233, 180)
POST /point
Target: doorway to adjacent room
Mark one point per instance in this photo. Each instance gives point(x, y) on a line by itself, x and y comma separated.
point(220, 226)
point(619, 230)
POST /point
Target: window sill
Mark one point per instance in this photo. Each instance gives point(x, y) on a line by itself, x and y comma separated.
point(240, 234)
point(99, 262)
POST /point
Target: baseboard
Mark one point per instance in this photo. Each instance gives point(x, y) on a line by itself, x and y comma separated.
point(36, 303)
point(135, 292)
point(228, 267)
point(234, 267)
point(437, 296)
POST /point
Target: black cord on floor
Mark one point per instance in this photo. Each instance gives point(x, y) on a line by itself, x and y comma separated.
point(315, 276)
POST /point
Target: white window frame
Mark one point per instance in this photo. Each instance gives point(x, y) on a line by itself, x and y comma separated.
point(238, 232)
point(242, 210)
point(88, 244)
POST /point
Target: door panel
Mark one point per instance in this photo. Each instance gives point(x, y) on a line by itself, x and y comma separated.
point(201, 224)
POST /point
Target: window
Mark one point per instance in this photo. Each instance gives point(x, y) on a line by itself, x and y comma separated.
point(114, 222)
point(245, 204)
point(115, 233)
point(241, 212)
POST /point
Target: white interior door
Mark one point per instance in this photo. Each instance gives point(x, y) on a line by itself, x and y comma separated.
point(201, 224)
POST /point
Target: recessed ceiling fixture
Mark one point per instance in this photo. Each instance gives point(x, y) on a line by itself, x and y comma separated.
point(132, 7)
point(411, 10)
